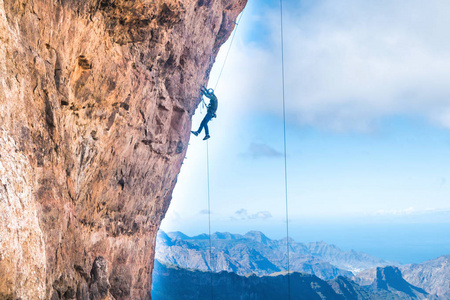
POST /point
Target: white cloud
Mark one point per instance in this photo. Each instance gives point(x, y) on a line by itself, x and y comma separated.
point(412, 211)
point(348, 63)
point(243, 214)
point(398, 212)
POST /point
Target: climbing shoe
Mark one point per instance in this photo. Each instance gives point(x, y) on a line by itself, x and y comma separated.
point(194, 133)
point(206, 137)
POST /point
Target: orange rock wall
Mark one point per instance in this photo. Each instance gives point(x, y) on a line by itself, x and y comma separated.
point(96, 100)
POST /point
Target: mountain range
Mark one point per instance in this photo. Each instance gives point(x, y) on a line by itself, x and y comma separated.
point(255, 253)
point(172, 282)
point(433, 276)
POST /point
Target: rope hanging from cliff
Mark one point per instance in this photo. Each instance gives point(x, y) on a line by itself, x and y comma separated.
point(285, 155)
point(209, 220)
point(207, 160)
point(229, 48)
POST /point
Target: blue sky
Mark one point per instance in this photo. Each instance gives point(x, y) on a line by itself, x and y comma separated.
point(368, 127)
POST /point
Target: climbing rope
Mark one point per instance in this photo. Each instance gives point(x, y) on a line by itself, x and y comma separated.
point(285, 155)
point(229, 48)
point(207, 160)
point(209, 220)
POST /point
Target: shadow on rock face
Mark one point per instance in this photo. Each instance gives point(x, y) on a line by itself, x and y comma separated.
point(120, 281)
point(99, 287)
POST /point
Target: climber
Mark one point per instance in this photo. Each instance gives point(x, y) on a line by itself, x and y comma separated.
point(212, 108)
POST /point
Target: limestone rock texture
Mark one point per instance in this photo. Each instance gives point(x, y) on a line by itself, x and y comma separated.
point(96, 101)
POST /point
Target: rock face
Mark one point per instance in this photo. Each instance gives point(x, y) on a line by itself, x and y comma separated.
point(22, 249)
point(433, 276)
point(389, 283)
point(96, 100)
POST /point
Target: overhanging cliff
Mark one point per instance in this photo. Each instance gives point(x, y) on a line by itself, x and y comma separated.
point(96, 100)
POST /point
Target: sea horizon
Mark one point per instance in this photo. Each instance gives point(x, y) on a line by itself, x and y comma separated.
point(397, 243)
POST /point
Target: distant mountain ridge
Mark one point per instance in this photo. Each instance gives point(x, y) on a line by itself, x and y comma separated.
point(172, 282)
point(433, 276)
point(255, 253)
point(389, 281)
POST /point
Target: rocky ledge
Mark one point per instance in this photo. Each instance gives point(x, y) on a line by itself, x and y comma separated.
point(96, 100)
